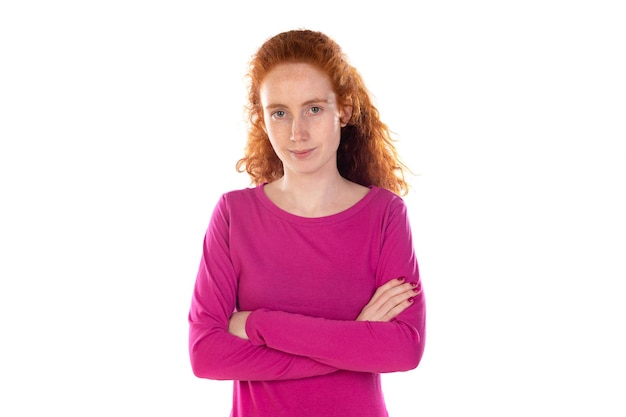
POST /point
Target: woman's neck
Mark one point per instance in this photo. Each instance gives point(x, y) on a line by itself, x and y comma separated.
point(317, 197)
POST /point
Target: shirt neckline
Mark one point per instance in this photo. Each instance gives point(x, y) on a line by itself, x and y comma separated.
point(332, 218)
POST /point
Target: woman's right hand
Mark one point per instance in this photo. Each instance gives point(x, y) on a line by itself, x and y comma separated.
point(389, 300)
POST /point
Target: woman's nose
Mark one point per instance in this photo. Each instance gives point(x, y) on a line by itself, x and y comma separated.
point(298, 130)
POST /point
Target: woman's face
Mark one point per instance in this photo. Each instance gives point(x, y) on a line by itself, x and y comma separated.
point(302, 118)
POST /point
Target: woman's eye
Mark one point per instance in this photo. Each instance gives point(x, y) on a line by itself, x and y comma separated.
point(279, 114)
point(315, 109)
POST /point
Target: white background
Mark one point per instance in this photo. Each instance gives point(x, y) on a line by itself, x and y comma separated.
point(121, 122)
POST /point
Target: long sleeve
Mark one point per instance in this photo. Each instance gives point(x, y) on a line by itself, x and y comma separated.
point(214, 353)
point(357, 346)
point(354, 346)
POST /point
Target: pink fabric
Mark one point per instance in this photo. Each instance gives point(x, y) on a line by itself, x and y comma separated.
point(306, 280)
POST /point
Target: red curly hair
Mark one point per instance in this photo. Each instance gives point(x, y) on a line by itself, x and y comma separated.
point(366, 153)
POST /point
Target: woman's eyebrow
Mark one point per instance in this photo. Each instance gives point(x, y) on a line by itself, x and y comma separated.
point(306, 103)
point(315, 101)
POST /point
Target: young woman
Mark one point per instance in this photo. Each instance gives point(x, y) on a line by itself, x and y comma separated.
point(308, 287)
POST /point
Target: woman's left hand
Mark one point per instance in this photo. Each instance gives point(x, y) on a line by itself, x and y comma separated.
point(389, 300)
point(237, 324)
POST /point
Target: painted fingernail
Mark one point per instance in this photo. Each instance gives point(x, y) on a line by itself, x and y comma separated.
point(414, 283)
point(416, 290)
point(401, 279)
point(411, 299)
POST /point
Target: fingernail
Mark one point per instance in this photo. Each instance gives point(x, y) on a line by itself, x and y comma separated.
point(401, 279)
point(411, 299)
point(416, 290)
point(414, 283)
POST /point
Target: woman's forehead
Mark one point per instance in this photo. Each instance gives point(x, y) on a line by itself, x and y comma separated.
point(297, 83)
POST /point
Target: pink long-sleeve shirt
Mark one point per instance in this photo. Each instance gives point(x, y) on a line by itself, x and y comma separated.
point(305, 280)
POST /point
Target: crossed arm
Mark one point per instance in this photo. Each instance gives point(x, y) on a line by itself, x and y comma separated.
point(389, 300)
point(387, 336)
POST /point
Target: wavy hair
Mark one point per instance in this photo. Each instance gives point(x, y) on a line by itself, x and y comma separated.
point(366, 153)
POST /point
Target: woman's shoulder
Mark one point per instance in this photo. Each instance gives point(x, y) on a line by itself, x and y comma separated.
point(240, 192)
point(239, 196)
point(235, 203)
point(386, 197)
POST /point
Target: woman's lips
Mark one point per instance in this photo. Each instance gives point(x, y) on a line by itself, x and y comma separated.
point(301, 154)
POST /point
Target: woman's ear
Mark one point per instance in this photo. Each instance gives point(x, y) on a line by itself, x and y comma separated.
point(345, 114)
